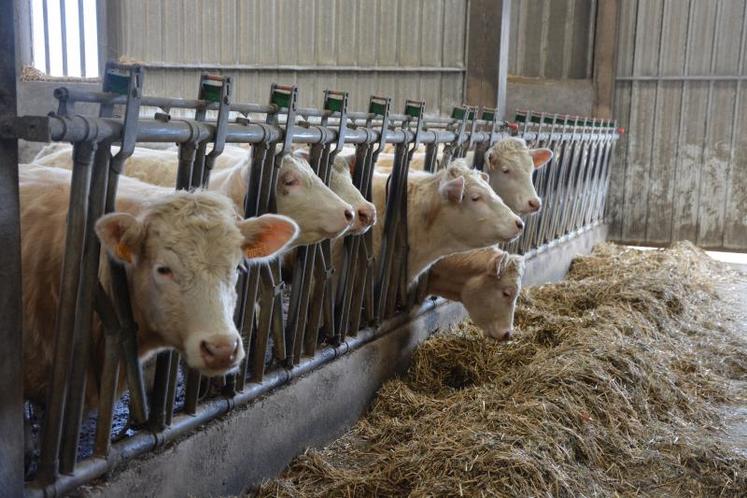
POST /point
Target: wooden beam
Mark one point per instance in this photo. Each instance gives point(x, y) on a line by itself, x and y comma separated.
point(487, 53)
point(605, 52)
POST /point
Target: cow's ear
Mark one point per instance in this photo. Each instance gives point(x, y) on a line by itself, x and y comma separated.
point(497, 263)
point(452, 190)
point(121, 234)
point(267, 236)
point(350, 161)
point(302, 152)
point(491, 159)
point(485, 176)
point(540, 156)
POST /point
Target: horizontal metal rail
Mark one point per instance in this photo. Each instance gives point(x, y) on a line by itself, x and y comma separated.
point(684, 77)
point(206, 66)
point(73, 95)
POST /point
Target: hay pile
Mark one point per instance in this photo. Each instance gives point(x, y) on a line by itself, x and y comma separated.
point(615, 384)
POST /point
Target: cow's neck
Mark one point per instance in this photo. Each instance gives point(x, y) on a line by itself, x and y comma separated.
point(447, 278)
point(439, 244)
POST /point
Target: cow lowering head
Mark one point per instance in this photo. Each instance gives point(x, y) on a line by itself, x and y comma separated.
point(181, 254)
point(303, 196)
point(490, 293)
point(510, 164)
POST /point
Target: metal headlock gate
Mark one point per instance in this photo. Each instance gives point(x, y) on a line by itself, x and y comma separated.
point(372, 295)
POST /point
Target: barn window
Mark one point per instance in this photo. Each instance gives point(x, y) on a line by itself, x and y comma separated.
point(64, 38)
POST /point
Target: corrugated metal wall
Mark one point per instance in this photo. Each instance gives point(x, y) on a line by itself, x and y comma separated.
point(399, 48)
point(552, 39)
point(682, 166)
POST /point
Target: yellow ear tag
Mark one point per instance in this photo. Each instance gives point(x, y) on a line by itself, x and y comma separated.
point(123, 252)
point(257, 250)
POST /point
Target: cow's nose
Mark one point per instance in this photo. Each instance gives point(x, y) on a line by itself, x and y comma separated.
point(506, 335)
point(349, 215)
point(367, 216)
point(519, 224)
point(535, 204)
point(219, 352)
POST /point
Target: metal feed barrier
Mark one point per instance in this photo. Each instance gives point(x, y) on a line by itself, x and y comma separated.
point(372, 296)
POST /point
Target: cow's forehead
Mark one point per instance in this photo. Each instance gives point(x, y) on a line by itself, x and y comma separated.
point(200, 229)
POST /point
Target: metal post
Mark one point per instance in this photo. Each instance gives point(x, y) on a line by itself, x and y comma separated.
point(488, 43)
point(65, 320)
point(11, 353)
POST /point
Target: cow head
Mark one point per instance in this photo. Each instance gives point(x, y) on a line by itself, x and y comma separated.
point(490, 295)
point(470, 210)
point(181, 254)
point(303, 196)
point(510, 164)
point(341, 183)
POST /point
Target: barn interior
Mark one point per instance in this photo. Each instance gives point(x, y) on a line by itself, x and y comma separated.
point(501, 248)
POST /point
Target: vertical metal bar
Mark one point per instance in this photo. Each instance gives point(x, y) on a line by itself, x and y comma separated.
point(84, 311)
point(317, 280)
point(549, 194)
point(266, 297)
point(529, 235)
point(249, 283)
point(11, 306)
point(82, 38)
point(387, 247)
point(567, 153)
point(45, 15)
point(109, 370)
point(65, 322)
point(350, 272)
point(127, 333)
point(63, 31)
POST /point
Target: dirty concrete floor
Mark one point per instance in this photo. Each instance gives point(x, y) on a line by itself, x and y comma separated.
point(734, 293)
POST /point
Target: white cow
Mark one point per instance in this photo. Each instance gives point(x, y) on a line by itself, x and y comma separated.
point(300, 194)
point(180, 250)
point(509, 164)
point(486, 281)
point(450, 211)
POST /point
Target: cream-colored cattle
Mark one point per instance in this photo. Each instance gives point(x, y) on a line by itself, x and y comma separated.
point(180, 250)
point(450, 211)
point(300, 194)
point(486, 281)
point(510, 164)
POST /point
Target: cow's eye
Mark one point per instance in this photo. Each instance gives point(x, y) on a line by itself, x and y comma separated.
point(506, 170)
point(165, 271)
point(475, 197)
point(289, 181)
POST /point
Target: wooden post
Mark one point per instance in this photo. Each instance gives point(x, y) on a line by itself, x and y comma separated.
point(605, 44)
point(11, 351)
point(487, 53)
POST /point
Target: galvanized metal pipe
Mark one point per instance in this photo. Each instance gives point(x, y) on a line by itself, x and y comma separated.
point(65, 322)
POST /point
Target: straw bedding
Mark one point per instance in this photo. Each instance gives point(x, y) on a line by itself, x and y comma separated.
point(615, 384)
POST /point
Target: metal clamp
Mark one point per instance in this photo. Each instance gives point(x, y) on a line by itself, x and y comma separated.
point(284, 97)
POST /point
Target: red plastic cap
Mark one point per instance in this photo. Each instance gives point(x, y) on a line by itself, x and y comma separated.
point(621, 131)
point(513, 126)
